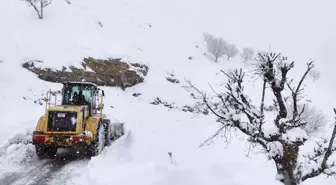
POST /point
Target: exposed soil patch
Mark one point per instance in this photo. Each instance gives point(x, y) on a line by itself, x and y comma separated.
point(103, 72)
point(158, 101)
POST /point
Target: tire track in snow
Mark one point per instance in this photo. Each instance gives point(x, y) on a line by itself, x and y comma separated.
point(12, 177)
point(42, 172)
point(33, 171)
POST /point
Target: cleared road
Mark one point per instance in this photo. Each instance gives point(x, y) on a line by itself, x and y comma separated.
point(44, 172)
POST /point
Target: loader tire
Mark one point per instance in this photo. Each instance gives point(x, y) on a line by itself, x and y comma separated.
point(99, 143)
point(108, 134)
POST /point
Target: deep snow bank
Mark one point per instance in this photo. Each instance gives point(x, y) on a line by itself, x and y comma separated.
point(142, 155)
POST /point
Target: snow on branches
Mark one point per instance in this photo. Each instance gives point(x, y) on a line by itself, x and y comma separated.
point(234, 109)
point(317, 162)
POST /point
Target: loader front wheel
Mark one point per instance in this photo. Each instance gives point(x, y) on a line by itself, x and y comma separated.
point(108, 133)
point(99, 143)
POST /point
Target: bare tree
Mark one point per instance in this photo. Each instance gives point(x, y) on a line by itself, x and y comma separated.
point(235, 110)
point(231, 51)
point(315, 118)
point(215, 45)
point(39, 6)
point(247, 54)
point(314, 74)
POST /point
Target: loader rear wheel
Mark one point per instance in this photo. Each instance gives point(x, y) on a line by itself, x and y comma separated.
point(43, 151)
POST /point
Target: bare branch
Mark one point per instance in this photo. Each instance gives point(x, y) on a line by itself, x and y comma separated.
point(220, 130)
point(239, 102)
point(267, 66)
point(39, 6)
point(326, 152)
point(204, 99)
point(296, 92)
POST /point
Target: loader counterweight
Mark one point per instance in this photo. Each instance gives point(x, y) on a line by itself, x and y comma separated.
point(64, 141)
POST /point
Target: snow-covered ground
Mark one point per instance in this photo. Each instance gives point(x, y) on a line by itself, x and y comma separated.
point(161, 34)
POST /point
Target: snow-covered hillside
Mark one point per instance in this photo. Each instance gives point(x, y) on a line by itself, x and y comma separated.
point(162, 34)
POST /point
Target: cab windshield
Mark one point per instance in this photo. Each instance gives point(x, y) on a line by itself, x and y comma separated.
point(77, 94)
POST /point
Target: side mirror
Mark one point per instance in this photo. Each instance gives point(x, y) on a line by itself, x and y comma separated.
point(103, 93)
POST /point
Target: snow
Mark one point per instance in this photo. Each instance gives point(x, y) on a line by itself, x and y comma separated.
point(16, 151)
point(88, 133)
point(73, 120)
point(161, 34)
point(275, 149)
point(296, 134)
point(88, 69)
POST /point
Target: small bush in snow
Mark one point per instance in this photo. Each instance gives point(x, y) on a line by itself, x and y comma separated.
point(39, 6)
point(233, 109)
point(171, 78)
point(247, 54)
point(136, 94)
point(158, 101)
point(100, 24)
point(170, 157)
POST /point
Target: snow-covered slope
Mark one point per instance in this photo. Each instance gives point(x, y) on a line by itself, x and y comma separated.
point(161, 34)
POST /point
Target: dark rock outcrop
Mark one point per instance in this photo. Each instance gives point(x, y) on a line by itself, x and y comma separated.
point(104, 72)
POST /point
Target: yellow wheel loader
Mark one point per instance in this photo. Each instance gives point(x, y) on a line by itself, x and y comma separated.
point(77, 122)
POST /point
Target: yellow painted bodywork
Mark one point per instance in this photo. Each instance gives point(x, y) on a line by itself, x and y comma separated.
point(91, 124)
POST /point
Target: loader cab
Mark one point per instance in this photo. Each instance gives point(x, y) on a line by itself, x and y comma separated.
point(89, 91)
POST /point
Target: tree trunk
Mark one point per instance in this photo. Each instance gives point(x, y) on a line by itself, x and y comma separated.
point(287, 164)
point(282, 106)
point(263, 98)
point(41, 13)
